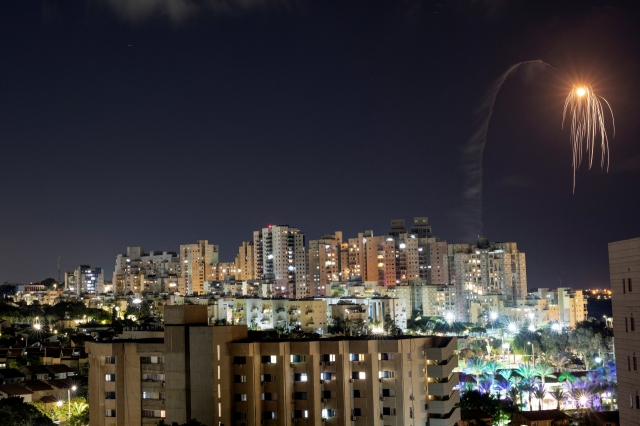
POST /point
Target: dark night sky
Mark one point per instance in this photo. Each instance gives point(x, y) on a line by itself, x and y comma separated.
point(126, 126)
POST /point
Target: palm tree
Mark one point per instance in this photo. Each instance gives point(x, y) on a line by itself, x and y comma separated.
point(540, 392)
point(514, 396)
point(544, 370)
point(526, 372)
point(491, 367)
point(528, 385)
point(566, 376)
point(476, 367)
point(559, 395)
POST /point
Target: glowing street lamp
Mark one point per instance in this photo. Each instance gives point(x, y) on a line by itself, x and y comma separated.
point(73, 388)
point(512, 327)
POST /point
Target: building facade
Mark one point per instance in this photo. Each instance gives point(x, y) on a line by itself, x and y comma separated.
point(219, 376)
point(624, 271)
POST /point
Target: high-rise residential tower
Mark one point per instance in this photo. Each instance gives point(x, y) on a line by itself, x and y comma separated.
point(196, 265)
point(484, 268)
point(85, 279)
point(280, 254)
point(245, 262)
point(324, 263)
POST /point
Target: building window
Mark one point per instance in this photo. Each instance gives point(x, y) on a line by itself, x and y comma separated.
point(388, 411)
point(302, 396)
point(635, 363)
point(327, 376)
point(269, 359)
point(240, 416)
point(109, 359)
point(240, 397)
point(387, 392)
point(109, 395)
point(626, 324)
point(239, 378)
point(633, 324)
point(268, 378)
point(356, 357)
point(328, 357)
point(109, 412)
point(637, 402)
point(300, 377)
point(358, 375)
point(299, 414)
point(110, 378)
point(624, 286)
point(239, 360)
point(629, 362)
point(385, 357)
point(268, 415)
point(268, 396)
point(356, 412)
point(298, 358)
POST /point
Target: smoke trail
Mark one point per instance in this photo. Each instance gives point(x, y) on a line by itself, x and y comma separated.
point(473, 153)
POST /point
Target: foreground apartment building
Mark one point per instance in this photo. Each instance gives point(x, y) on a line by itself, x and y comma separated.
point(624, 270)
point(223, 376)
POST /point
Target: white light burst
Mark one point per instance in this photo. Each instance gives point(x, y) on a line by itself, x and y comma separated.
point(587, 120)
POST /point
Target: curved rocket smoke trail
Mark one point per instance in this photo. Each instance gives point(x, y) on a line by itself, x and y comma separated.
point(474, 150)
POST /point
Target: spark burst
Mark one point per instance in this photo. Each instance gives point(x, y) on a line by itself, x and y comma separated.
point(587, 120)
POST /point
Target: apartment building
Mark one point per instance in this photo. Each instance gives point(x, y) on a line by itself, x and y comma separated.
point(219, 376)
point(280, 254)
point(245, 262)
point(357, 381)
point(624, 270)
point(196, 263)
point(325, 264)
point(136, 271)
point(85, 279)
point(308, 314)
point(484, 268)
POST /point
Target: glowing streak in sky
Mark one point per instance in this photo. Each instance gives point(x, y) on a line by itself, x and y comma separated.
point(587, 120)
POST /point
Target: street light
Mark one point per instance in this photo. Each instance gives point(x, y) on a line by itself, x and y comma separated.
point(73, 388)
point(533, 353)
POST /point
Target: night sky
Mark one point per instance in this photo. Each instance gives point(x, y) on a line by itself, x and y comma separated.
point(186, 120)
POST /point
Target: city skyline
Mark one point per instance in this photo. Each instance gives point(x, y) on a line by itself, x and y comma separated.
point(125, 127)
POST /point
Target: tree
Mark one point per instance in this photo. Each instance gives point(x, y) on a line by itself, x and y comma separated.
point(540, 392)
point(475, 400)
point(544, 370)
point(559, 395)
point(15, 412)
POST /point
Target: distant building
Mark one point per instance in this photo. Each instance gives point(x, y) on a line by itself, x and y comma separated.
point(484, 268)
point(196, 264)
point(280, 254)
point(324, 263)
point(136, 271)
point(85, 279)
point(624, 272)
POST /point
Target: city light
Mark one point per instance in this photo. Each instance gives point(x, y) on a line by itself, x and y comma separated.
point(512, 327)
point(493, 315)
point(531, 328)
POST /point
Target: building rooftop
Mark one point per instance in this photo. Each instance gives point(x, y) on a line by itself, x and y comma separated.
point(15, 390)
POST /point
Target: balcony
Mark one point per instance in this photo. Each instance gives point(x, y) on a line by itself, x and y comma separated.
point(444, 406)
point(449, 419)
point(445, 388)
point(153, 404)
point(443, 352)
point(442, 371)
point(152, 368)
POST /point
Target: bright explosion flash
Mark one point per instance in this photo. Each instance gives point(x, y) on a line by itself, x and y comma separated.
point(587, 120)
